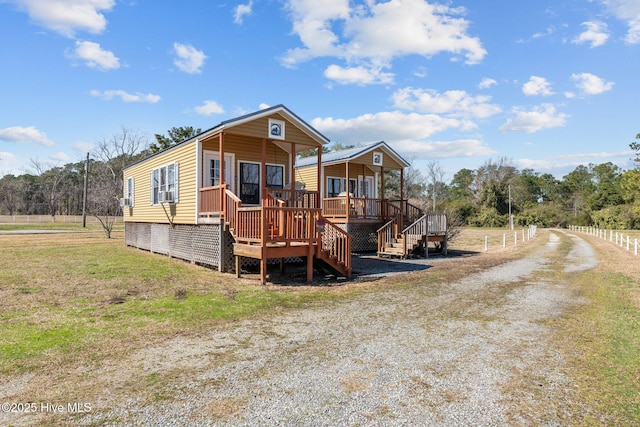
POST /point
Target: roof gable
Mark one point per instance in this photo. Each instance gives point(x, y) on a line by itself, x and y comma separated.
point(350, 154)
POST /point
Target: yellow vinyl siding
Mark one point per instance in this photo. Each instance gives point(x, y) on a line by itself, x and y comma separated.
point(182, 212)
point(259, 128)
point(309, 176)
point(249, 150)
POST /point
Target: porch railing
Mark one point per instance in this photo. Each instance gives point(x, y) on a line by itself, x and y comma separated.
point(254, 224)
point(360, 207)
point(410, 211)
point(211, 199)
point(301, 198)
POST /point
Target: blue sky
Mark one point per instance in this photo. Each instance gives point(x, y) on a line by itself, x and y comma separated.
point(548, 85)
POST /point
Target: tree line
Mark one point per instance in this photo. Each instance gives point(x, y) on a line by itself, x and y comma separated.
point(602, 195)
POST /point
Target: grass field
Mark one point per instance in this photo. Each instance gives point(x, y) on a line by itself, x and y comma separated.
point(75, 299)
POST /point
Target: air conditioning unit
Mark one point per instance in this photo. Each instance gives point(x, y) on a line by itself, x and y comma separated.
point(166, 197)
point(125, 202)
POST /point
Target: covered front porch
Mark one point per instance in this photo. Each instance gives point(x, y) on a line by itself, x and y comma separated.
point(266, 215)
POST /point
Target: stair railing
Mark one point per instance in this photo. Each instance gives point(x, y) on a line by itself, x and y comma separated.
point(336, 243)
point(389, 231)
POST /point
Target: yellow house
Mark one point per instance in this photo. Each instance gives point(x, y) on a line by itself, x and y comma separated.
point(231, 192)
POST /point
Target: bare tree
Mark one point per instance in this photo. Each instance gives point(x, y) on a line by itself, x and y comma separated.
point(50, 185)
point(435, 175)
point(113, 155)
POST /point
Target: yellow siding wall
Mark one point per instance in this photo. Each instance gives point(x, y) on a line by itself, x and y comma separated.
point(259, 128)
point(249, 150)
point(309, 176)
point(182, 212)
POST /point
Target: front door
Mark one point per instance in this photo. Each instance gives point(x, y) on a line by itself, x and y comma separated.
point(211, 174)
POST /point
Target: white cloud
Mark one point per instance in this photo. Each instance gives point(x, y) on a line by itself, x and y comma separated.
point(373, 34)
point(357, 75)
point(67, 16)
point(537, 86)
point(125, 96)
point(209, 108)
point(628, 11)
point(596, 34)
point(444, 149)
point(188, 58)
point(541, 117)
point(389, 126)
point(7, 160)
point(452, 102)
point(95, 56)
point(83, 147)
point(241, 11)
point(59, 157)
point(591, 84)
point(486, 83)
point(25, 135)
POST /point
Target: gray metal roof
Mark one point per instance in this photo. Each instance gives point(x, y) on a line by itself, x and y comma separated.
point(350, 154)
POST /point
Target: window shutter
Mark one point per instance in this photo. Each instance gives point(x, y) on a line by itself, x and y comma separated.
point(175, 186)
point(151, 188)
point(133, 192)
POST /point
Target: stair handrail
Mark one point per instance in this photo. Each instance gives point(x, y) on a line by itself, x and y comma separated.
point(336, 243)
point(388, 231)
point(231, 205)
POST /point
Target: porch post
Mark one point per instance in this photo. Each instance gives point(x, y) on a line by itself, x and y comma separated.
point(364, 194)
point(346, 184)
point(292, 197)
point(263, 173)
point(402, 184)
point(381, 190)
point(223, 197)
point(320, 185)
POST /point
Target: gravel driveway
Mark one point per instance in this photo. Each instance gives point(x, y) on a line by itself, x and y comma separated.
point(474, 352)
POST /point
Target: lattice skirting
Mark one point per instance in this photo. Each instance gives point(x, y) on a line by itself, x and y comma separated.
point(205, 244)
point(364, 237)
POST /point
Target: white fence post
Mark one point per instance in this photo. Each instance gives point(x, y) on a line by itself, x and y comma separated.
point(504, 240)
point(515, 238)
point(627, 242)
point(486, 243)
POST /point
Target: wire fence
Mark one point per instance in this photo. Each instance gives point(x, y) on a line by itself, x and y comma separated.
point(48, 219)
point(508, 239)
point(623, 240)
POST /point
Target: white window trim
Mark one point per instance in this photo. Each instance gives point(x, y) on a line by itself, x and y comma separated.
point(176, 186)
point(327, 178)
point(130, 191)
point(240, 162)
point(371, 180)
point(205, 175)
point(284, 172)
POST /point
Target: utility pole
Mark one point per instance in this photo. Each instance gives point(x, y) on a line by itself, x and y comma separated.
point(84, 192)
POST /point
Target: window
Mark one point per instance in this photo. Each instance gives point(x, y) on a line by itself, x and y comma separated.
point(275, 176)
point(164, 180)
point(250, 183)
point(333, 187)
point(214, 172)
point(353, 185)
point(129, 191)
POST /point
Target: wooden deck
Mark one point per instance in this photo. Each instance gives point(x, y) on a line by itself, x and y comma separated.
point(279, 229)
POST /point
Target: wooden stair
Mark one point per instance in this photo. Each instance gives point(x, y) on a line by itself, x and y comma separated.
point(323, 260)
point(396, 248)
